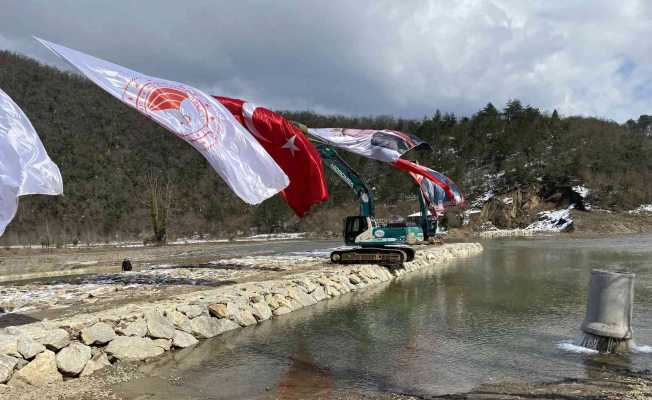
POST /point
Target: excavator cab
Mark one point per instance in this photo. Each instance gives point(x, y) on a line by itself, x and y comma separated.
point(353, 227)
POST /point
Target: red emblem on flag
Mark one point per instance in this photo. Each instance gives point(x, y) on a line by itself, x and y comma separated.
point(178, 108)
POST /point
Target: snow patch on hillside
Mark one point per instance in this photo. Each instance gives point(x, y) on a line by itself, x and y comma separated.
point(642, 209)
point(552, 221)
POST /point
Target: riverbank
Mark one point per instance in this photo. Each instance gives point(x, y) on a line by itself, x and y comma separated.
point(607, 385)
point(40, 354)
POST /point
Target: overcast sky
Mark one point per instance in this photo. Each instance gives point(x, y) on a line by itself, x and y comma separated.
point(357, 57)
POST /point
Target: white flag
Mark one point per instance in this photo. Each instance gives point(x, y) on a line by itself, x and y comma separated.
point(193, 116)
point(378, 144)
point(25, 167)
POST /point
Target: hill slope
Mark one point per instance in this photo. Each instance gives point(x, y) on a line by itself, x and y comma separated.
point(106, 152)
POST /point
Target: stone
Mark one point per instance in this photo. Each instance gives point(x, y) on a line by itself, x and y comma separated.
point(21, 363)
point(182, 339)
point(54, 339)
point(319, 294)
point(354, 279)
point(331, 291)
point(39, 372)
point(302, 297)
point(205, 327)
point(191, 310)
point(261, 311)
point(158, 327)
point(133, 348)
point(29, 347)
point(137, 328)
point(165, 344)
point(180, 321)
point(72, 359)
point(7, 365)
point(308, 285)
point(99, 333)
point(256, 298)
point(241, 314)
point(218, 310)
point(282, 310)
point(9, 345)
point(99, 361)
point(278, 300)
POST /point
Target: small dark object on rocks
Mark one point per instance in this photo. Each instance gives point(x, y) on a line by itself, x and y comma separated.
point(126, 265)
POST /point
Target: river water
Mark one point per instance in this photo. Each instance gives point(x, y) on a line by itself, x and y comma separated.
point(506, 315)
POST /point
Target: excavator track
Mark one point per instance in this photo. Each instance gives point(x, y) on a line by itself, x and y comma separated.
point(386, 256)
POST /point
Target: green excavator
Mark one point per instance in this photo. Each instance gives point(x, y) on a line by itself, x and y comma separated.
point(375, 243)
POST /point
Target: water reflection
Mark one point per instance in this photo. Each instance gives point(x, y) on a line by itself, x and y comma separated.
point(304, 378)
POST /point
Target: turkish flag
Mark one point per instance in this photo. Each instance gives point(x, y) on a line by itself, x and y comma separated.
point(291, 150)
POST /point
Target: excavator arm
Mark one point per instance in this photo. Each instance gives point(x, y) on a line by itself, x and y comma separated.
point(342, 169)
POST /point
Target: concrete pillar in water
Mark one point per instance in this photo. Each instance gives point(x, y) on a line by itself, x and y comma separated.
point(608, 323)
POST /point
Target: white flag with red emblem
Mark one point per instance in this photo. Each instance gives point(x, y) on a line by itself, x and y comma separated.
point(193, 116)
point(25, 167)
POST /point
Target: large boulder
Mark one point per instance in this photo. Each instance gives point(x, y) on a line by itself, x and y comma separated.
point(136, 328)
point(7, 365)
point(261, 311)
point(183, 339)
point(72, 359)
point(205, 327)
point(191, 310)
point(158, 326)
point(39, 372)
point(99, 361)
point(180, 321)
point(28, 347)
point(240, 314)
point(53, 339)
point(496, 212)
point(218, 310)
point(132, 348)
point(9, 345)
point(302, 297)
point(99, 333)
point(165, 344)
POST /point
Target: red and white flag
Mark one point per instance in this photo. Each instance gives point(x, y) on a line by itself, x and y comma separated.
point(25, 167)
point(193, 116)
point(439, 191)
point(289, 147)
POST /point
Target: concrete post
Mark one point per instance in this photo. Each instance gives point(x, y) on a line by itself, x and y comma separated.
point(610, 305)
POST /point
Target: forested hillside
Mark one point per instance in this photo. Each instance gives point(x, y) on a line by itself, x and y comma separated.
point(108, 155)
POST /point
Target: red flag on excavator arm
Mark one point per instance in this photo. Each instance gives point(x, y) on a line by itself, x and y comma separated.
point(291, 150)
point(438, 190)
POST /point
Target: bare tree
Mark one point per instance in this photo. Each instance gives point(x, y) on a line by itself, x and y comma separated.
point(158, 201)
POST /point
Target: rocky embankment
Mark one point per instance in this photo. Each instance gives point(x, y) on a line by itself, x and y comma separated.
point(44, 353)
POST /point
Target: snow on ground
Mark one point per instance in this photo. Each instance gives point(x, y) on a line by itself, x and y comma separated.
point(548, 222)
point(319, 253)
point(196, 241)
point(584, 192)
point(552, 221)
point(642, 209)
point(64, 292)
point(483, 198)
point(274, 236)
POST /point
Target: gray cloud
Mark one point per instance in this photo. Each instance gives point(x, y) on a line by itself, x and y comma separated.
point(361, 57)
